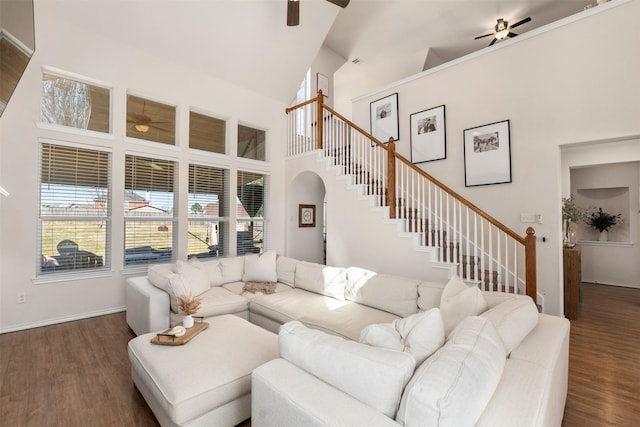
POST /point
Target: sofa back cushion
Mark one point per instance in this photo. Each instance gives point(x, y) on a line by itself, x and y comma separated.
point(429, 295)
point(211, 267)
point(513, 319)
point(232, 269)
point(394, 294)
point(286, 270)
point(455, 384)
point(260, 267)
point(375, 376)
point(323, 280)
point(195, 280)
point(158, 275)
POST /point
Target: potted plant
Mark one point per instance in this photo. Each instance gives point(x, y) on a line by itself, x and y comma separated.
point(188, 305)
point(603, 221)
point(571, 214)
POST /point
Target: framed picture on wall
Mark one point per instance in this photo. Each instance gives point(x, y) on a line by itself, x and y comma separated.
point(428, 136)
point(384, 118)
point(487, 154)
point(306, 215)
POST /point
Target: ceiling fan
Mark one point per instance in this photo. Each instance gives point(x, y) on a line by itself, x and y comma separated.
point(293, 10)
point(503, 30)
point(141, 122)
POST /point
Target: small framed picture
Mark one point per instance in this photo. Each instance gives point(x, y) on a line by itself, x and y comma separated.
point(487, 154)
point(428, 135)
point(306, 215)
point(323, 84)
point(384, 118)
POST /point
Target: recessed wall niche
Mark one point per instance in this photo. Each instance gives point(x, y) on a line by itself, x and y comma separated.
point(613, 201)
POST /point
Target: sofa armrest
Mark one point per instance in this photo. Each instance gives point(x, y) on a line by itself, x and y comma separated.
point(284, 395)
point(148, 308)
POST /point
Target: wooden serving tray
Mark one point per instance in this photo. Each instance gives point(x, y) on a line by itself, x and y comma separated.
point(164, 339)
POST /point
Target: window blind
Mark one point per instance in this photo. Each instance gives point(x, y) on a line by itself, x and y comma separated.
point(75, 211)
point(207, 210)
point(250, 212)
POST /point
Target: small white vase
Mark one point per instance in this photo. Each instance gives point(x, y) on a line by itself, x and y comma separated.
point(604, 236)
point(187, 322)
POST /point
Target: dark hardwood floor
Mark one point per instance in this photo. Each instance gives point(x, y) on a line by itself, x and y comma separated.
point(77, 373)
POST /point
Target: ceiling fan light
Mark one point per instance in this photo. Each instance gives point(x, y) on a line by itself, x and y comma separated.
point(293, 13)
point(501, 35)
point(142, 128)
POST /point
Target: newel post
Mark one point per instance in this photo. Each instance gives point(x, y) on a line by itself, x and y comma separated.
point(391, 177)
point(530, 263)
point(320, 121)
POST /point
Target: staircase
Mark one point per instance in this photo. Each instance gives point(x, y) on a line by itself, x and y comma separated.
point(473, 244)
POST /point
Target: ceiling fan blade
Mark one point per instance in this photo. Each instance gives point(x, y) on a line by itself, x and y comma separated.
point(486, 35)
point(341, 3)
point(524, 21)
point(511, 34)
point(293, 13)
point(492, 42)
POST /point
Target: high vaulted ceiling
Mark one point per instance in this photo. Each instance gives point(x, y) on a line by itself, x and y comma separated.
point(247, 42)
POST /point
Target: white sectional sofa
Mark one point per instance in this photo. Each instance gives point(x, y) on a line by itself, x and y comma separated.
point(360, 348)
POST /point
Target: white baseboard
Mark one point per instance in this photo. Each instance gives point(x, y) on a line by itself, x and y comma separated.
point(48, 322)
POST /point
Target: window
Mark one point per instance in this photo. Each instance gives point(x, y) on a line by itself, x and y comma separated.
point(149, 213)
point(206, 133)
point(75, 213)
point(250, 213)
point(207, 209)
point(76, 104)
point(150, 120)
point(251, 143)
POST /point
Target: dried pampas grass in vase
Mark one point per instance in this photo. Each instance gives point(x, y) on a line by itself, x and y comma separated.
point(188, 305)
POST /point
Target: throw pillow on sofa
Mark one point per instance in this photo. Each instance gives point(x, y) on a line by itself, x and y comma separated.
point(211, 267)
point(419, 335)
point(374, 376)
point(194, 280)
point(260, 267)
point(158, 275)
point(513, 319)
point(459, 301)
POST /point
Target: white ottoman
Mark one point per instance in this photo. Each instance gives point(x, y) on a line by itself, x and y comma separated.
point(207, 381)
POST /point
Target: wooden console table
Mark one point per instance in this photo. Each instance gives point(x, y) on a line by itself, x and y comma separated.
point(572, 279)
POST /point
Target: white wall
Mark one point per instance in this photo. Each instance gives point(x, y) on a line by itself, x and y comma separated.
point(305, 243)
point(327, 62)
point(64, 47)
point(16, 17)
point(576, 82)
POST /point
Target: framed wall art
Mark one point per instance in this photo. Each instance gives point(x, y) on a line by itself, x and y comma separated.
point(306, 215)
point(384, 118)
point(428, 135)
point(487, 154)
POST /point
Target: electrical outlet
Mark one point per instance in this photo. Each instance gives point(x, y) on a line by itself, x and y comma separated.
point(22, 298)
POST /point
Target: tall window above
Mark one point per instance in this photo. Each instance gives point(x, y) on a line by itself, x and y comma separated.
point(206, 133)
point(207, 211)
point(149, 210)
point(251, 143)
point(150, 120)
point(250, 212)
point(75, 211)
point(76, 104)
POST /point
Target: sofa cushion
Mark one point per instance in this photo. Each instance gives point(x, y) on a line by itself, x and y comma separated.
point(459, 301)
point(454, 385)
point(429, 295)
point(260, 267)
point(194, 280)
point(395, 294)
point(158, 275)
point(286, 270)
point(374, 376)
point(211, 267)
point(238, 287)
point(513, 319)
point(232, 269)
point(419, 335)
point(323, 280)
point(218, 300)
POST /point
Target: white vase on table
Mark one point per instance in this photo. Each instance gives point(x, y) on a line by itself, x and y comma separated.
point(604, 236)
point(187, 322)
